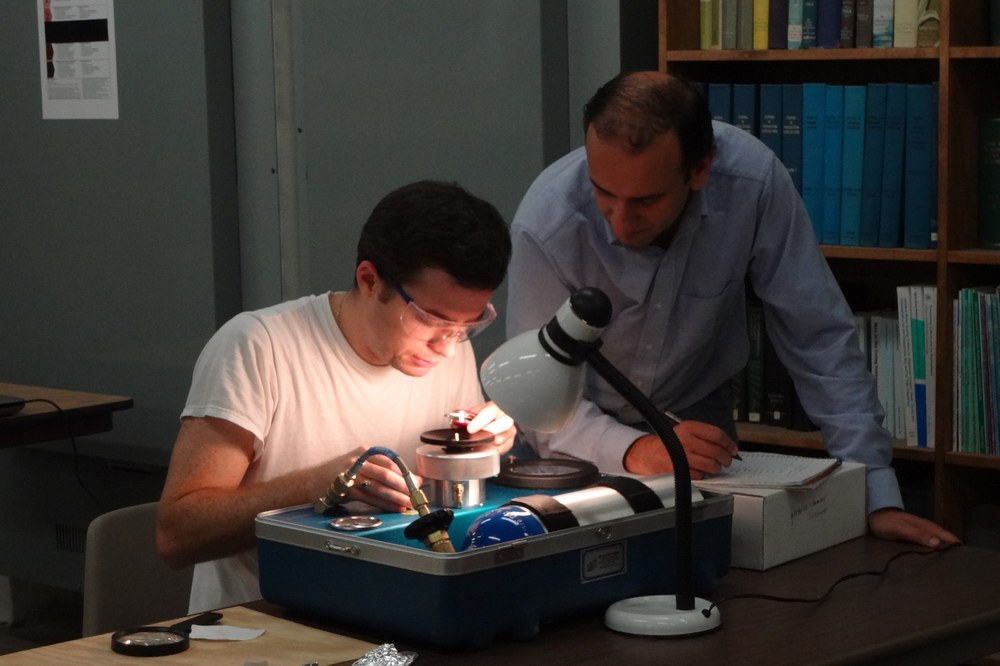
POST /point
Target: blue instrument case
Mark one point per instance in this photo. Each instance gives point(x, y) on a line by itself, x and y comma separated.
point(379, 582)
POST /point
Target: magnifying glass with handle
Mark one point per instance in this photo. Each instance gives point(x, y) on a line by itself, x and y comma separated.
point(159, 641)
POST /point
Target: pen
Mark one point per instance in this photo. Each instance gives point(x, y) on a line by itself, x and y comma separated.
point(676, 419)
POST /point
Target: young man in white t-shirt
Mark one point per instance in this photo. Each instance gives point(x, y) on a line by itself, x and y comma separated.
point(286, 398)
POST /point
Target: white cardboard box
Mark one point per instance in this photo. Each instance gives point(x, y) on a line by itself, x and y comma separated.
point(772, 526)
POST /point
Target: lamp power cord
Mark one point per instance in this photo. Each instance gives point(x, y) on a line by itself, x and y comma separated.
point(823, 597)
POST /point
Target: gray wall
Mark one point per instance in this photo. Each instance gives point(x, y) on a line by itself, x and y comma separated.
point(127, 242)
point(118, 258)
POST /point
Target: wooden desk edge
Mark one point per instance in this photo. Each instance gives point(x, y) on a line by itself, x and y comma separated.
point(79, 413)
point(68, 400)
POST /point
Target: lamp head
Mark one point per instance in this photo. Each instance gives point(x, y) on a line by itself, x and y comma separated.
point(537, 376)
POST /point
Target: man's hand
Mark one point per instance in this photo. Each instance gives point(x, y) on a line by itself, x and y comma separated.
point(708, 450)
point(492, 419)
point(379, 482)
point(897, 525)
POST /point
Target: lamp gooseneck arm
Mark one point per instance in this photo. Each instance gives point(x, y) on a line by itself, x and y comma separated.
point(682, 471)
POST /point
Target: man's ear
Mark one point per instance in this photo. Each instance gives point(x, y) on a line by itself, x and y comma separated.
point(699, 176)
point(367, 277)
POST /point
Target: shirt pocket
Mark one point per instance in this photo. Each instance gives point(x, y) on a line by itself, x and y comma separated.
point(706, 319)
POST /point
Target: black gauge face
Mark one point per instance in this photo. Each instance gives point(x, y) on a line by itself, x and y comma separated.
point(545, 468)
point(548, 473)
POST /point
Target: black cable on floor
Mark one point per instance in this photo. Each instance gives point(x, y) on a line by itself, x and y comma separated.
point(76, 454)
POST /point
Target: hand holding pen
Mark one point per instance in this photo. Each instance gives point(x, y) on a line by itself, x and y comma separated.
point(678, 420)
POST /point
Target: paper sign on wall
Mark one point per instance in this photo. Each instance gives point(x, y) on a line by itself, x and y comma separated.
point(79, 76)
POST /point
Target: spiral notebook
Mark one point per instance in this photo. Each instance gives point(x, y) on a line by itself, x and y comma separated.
point(771, 470)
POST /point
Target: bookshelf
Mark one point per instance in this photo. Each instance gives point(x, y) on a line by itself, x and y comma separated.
point(967, 72)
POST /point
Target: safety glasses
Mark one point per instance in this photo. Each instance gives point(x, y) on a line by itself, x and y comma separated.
point(422, 325)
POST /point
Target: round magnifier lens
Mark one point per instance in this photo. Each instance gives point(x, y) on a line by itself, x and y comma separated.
point(149, 641)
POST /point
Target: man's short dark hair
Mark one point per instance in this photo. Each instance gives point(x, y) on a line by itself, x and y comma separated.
point(636, 107)
point(435, 224)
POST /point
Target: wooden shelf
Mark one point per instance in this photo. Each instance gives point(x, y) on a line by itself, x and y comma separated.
point(879, 253)
point(756, 433)
point(972, 460)
point(978, 256)
point(967, 73)
point(799, 55)
point(973, 52)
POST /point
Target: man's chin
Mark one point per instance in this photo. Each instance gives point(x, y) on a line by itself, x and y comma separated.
point(636, 240)
point(415, 368)
point(633, 243)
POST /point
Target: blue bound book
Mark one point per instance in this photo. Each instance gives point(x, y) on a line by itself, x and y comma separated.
point(745, 107)
point(833, 147)
point(871, 178)
point(769, 116)
point(813, 111)
point(720, 101)
point(919, 163)
point(828, 24)
point(852, 165)
point(791, 131)
point(795, 24)
point(809, 24)
point(892, 166)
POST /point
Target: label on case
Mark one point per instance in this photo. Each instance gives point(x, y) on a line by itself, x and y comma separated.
point(603, 562)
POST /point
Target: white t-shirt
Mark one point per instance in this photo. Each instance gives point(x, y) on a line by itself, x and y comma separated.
point(287, 375)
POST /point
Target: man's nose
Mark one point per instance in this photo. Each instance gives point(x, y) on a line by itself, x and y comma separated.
point(618, 213)
point(445, 347)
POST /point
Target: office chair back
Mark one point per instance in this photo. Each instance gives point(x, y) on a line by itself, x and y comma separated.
point(125, 582)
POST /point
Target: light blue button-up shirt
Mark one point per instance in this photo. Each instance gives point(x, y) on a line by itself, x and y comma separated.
point(678, 329)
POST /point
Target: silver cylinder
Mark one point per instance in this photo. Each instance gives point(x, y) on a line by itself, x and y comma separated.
point(457, 479)
point(599, 504)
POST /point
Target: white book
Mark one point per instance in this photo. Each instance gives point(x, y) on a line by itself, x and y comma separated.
point(882, 11)
point(918, 336)
point(930, 355)
point(898, 383)
point(906, 355)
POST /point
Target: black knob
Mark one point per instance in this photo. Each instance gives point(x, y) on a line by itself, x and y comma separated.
point(427, 524)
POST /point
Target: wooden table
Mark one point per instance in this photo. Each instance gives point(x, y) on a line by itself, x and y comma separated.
point(942, 608)
point(81, 414)
point(282, 643)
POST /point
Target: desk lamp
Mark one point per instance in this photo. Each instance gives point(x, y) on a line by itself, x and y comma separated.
point(537, 378)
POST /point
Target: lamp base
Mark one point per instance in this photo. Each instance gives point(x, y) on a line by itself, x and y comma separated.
point(657, 615)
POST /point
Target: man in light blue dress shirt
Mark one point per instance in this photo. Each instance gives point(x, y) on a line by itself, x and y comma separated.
point(672, 215)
